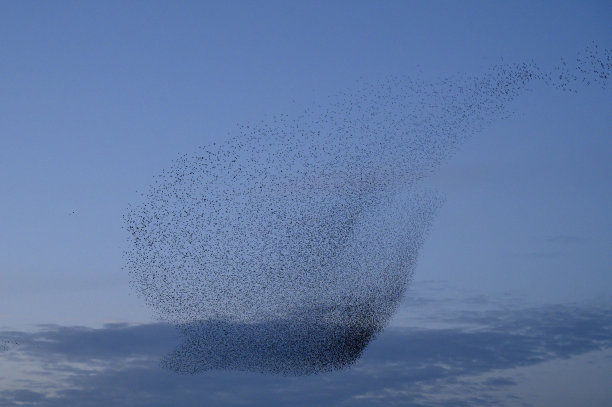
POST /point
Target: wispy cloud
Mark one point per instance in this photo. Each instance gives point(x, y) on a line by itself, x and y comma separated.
point(565, 239)
point(553, 247)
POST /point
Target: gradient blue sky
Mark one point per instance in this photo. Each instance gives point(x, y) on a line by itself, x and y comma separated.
point(98, 97)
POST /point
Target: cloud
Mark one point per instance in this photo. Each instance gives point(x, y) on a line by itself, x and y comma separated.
point(119, 365)
point(24, 396)
point(80, 344)
point(555, 246)
point(564, 240)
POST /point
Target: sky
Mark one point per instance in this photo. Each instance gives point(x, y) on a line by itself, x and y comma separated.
point(99, 97)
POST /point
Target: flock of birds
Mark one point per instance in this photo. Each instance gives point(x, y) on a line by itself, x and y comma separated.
point(288, 247)
point(6, 344)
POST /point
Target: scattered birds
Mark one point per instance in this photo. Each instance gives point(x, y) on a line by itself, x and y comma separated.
point(287, 248)
point(6, 344)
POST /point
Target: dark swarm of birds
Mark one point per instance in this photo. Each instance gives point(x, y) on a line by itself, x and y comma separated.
point(287, 248)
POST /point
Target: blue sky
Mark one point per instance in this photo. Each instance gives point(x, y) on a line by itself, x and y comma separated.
point(97, 98)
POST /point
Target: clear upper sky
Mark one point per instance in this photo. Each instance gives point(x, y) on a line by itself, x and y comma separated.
point(98, 97)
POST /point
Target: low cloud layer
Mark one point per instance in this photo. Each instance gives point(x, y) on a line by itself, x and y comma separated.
point(119, 364)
